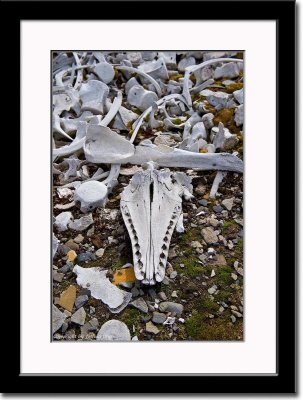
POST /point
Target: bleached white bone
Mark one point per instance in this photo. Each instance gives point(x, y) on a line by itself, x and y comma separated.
point(102, 145)
point(146, 76)
point(151, 206)
point(215, 186)
point(91, 194)
point(93, 95)
point(141, 98)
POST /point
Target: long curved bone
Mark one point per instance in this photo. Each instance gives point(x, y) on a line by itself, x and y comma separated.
point(146, 76)
point(102, 145)
point(151, 206)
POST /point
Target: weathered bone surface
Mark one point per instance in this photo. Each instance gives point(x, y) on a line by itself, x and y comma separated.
point(151, 206)
point(91, 194)
point(102, 145)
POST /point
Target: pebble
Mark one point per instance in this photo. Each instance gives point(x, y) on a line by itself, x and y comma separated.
point(72, 245)
point(68, 298)
point(151, 328)
point(233, 319)
point(135, 291)
point(212, 273)
point(234, 276)
point(57, 276)
point(217, 209)
point(201, 189)
point(172, 253)
point(169, 321)
point(82, 223)
point(158, 318)
point(83, 257)
point(168, 306)
point(162, 296)
point(99, 253)
point(209, 235)
point(237, 314)
point(79, 316)
point(196, 245)
point(140, 304)
point(71, 255)
point(213, 289)
point(174, 294)
point(182, 320)
point(58, 318)
point(135, 339)
point(182, 266)
point(211, 251)
point(79, 239)
point(173, 274)
point(90, 232)
point(203, 202)
point(228, 203)
point(239, 115)
point(67, 267)
point(81, 300)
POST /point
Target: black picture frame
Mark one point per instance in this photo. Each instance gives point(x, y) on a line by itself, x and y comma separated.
point(284, 381)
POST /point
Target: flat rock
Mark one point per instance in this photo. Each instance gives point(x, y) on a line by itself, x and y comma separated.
point(58, 318)
point(79, 317)
point(209, 235)
point(82, 223)
point(72, 245)
point(217, 209)
point(58, 276)
point(151, 328)
point(168, 306)
point(81, 300)
point(228, 203)
point(99, 253)
point(114, 330)
point(79, 239)
point(67, 298)
point(101, 288)
point(158, 318)
point(140, 304)
point(212, 289)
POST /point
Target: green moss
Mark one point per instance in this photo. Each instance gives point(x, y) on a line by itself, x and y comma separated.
point(130, 316)
point(228, 225)
point(234, 86)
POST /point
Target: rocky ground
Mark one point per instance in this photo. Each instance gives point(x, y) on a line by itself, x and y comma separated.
point(201, 296)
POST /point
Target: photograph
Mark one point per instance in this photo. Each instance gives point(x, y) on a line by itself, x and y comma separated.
point(147, 228)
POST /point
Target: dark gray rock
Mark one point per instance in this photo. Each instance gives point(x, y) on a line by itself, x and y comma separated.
point(168, 306)
point(81, 300)
point(158, 318)
point(203, 202)
point(217, 209)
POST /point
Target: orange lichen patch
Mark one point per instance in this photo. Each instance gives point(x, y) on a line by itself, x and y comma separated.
point(203, 151)
point(71, 255)
point(67, 298)
point(124, 275)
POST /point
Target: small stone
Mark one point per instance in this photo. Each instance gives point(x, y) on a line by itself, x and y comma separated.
point(182, 266)
point(140, 304)
point(228, 203)
point(209, 235)
point(196, 245)
point(213, 289)
point(81, 300)
point(92, 310)
point(71, 255)
point(237, 314)
point(68, 298)
point(239, 115)
point(135, 339)
point(201, 189)
point(211, 251)
point(211, 316)
point(170, 321)
point(182, 320)
point(212, 273)
point(99, 253)
point(221, 309)
point(219, 260)
point(79, 316)
point(203, 202)
point(233, 319)
point(165, 281)
point(234, 276)
point(72, 245)
point(168, 306)
point(58, 318)
point(217, 209)
point(90, 232)
point(172, 253)
point(57, 276)
point(158, 318)
point(173, 274)
point(78, 239)
point(151, 328)
point(174, 294)
point(135, 291)
point(84, 256)
point(162, 296)
point(67, 267)
point(82, 223)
